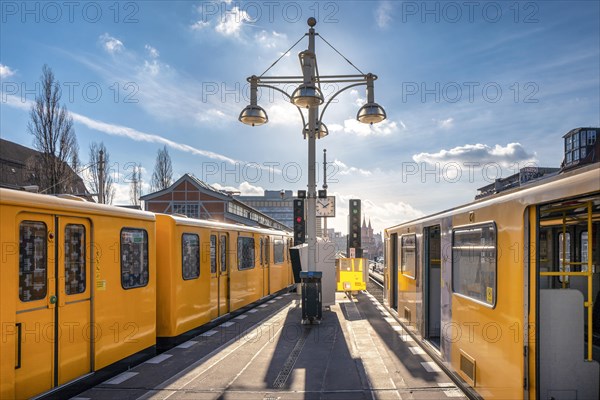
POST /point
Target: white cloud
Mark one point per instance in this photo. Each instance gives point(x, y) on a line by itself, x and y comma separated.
point(480, 154)
point(359, 101)
point(445, 123)
point(245, 189)
point(111, 44)
point(344, 169)
point(200, 25)
point(5, 71)
point(232, 21)
point(284, 114)
point(383, 14)
point(151, 67)
point(355, 127)
point(152, 51)
point(270, 40)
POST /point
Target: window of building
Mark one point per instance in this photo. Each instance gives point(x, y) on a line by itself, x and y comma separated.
point(245, 252)
point(190, 256)
point(134, 258)
point(591, 137)
point(33, 265)
point(189, 210)
point(408, 255)
point(474, 262)
point(75, 275)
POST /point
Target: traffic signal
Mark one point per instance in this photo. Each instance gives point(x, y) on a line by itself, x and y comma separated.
point(299, 222)
point(354, 232)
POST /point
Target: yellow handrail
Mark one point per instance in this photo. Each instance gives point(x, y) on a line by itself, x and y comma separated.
point(589, 273)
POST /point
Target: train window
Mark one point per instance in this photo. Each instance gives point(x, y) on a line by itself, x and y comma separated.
point(245, 252)
point(223, 253)
point(474, 262)
point(564, 255)
point(213, 254)
point(278, 251)
point(408, 255)
point(134, 258)
point(262, 251)
point(75, 278)
point(584, 251)
point(190, 256)
point(33, 266)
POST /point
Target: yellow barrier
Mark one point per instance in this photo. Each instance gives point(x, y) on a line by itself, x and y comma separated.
point(351, 274)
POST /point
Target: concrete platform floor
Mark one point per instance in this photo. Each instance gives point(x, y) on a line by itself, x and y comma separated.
point(357, 352)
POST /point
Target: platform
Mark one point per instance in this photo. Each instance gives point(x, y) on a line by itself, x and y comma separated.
point(358, 352)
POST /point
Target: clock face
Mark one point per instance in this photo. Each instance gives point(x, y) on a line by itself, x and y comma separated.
point(326, 207)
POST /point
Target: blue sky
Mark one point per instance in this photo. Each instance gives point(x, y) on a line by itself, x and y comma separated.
point(473, 90)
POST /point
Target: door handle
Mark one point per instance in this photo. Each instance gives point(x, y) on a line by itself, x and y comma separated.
point(18, 364)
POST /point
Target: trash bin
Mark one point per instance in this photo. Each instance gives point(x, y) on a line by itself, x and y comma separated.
point(312, 310)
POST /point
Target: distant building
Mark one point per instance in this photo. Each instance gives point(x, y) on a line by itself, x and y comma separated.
point(274, 203)
point(194, 198)
point(15, 174)
point(372, 243)
point(525, 175)
point(277, 204)
point(581, 147)
point(338, 239)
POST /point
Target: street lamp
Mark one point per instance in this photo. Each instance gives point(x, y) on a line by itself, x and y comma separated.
point(308, 95)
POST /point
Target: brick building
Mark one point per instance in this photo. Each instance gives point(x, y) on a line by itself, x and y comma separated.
point(196, 199)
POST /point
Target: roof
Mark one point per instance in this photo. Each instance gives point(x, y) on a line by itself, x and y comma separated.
point(572, 131)
point(201, 185)
point(15, 153)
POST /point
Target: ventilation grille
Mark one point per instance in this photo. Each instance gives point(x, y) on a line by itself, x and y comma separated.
point(467, 367)
point(407, 314)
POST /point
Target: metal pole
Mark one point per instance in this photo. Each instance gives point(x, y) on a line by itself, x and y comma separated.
point(325, 233)
point(311, 221)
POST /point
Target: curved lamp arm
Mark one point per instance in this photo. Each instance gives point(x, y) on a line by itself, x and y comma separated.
point(336, 94)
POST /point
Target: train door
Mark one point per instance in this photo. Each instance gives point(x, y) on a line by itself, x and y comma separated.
point(433, 276)
point(394, 271)
point(265, 263)
point(223, 274)
point(567, 327)
point(54, 311)
point(215, 286)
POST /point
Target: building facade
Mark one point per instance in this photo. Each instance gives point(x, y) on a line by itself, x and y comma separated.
point(372, 243)
point(16, 173)
point(194, 198)
point(277, 204)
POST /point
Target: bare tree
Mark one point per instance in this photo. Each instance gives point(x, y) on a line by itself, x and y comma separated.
point(99, 178)
point(54, 137)
point(163, 170)
point(135, 186)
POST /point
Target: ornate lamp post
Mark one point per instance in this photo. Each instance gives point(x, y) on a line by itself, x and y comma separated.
point(308, 95)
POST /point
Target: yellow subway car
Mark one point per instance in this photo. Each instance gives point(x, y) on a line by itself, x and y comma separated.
point(207, 269)
point(77, 290)
point(504, 291)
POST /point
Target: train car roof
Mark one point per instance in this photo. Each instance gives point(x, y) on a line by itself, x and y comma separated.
point(203, 223)
point(45, 201)
point(589, 173)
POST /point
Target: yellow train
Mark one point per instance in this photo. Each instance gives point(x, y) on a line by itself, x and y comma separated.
point(504, 291)
point(86, 287)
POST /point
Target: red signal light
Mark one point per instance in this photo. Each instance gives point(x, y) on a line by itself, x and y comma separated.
point(298, 219)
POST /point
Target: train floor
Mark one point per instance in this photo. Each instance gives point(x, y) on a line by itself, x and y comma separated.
point(357, 352)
